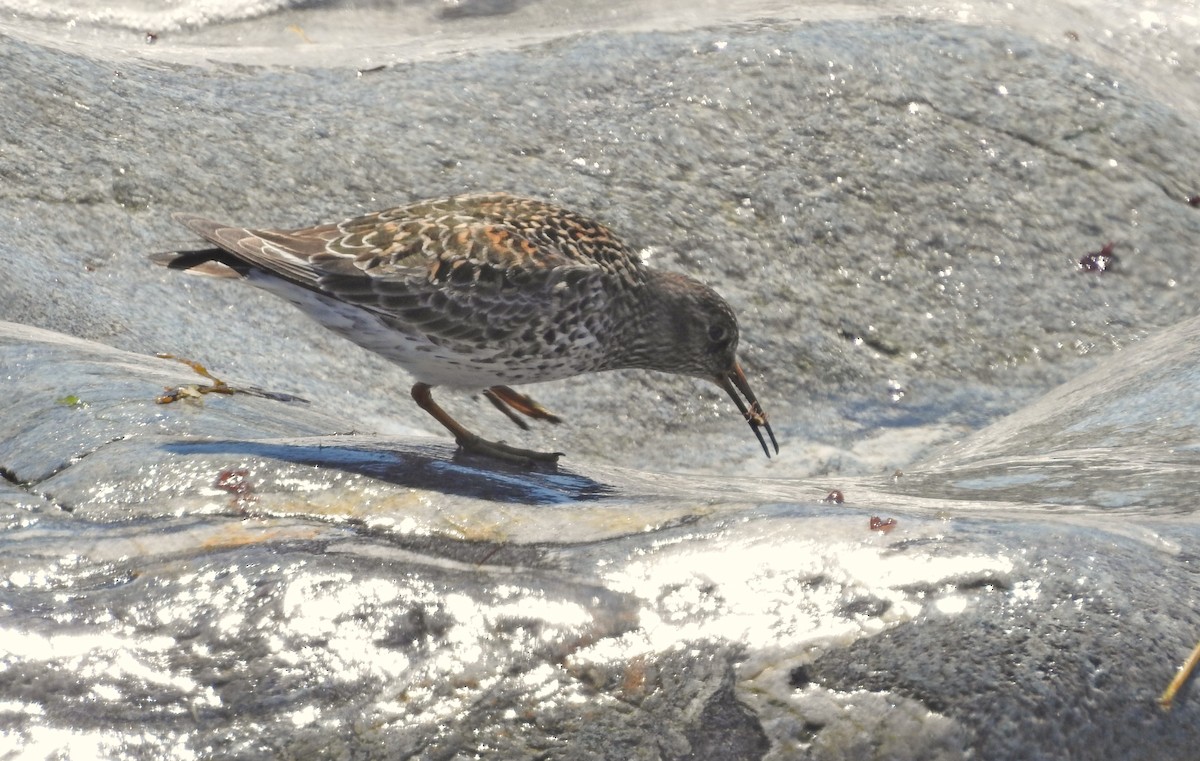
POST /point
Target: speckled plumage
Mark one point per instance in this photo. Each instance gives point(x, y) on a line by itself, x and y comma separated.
point(481, 291)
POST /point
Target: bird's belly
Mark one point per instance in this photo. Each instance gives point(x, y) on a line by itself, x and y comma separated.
point(429, 361)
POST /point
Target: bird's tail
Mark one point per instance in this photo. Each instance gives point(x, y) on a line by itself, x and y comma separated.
point(210, 262)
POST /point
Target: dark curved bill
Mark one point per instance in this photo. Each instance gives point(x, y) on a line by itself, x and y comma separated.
point(737, 387)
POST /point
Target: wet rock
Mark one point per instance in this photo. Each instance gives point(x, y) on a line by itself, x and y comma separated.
point(295, 570)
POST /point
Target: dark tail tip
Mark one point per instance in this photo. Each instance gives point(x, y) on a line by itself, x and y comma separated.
point(210, 262)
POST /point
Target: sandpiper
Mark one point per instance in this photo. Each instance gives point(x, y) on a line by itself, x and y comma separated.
point(483, 292)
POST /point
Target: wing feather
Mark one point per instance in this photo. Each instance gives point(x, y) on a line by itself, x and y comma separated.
point(436, 266)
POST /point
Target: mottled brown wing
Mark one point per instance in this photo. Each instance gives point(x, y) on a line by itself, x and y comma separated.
point(474, 268)
point(464, 268)
point(497, 229)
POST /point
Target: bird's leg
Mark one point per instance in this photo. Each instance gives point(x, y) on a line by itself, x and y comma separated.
point(509, 412)
point(510, 402)
point(470, 442)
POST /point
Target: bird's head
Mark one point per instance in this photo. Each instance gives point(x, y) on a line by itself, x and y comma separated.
point(692, 331)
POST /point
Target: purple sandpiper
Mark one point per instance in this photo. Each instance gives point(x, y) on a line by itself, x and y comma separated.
point(484, 291)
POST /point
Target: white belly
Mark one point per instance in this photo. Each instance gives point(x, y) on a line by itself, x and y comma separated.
point(427, 361)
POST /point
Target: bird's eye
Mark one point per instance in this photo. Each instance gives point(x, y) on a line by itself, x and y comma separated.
point(717, 333)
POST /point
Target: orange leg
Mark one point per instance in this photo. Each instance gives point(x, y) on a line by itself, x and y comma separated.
point(470, 442)
point(511, 402)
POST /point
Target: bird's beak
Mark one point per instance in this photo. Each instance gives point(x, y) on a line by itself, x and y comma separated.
point(735, 384)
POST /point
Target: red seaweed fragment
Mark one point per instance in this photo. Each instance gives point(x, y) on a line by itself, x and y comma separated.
point(234, 481)
point(882, 524)
point(1099, 261)
point(237, 482)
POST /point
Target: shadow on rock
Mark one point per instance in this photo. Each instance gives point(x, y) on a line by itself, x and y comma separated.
point(420, 467)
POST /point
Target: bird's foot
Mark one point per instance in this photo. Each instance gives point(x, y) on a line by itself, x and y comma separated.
point(501, 451)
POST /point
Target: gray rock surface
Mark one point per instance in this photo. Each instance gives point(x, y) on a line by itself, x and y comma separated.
point(895, 208)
